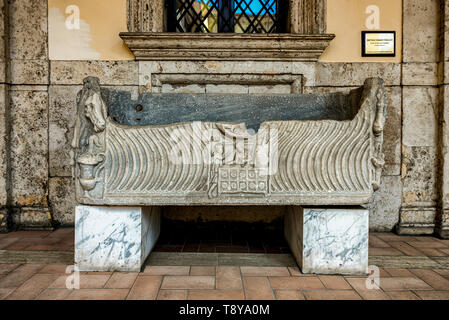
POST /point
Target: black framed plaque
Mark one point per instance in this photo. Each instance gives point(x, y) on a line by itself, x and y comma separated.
point(378, 43)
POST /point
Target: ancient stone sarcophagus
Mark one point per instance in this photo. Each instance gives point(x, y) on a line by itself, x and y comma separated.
point(204, 149)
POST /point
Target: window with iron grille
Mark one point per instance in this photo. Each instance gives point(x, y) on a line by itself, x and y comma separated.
point(237, 16)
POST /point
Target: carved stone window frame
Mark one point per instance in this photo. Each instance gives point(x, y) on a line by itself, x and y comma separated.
point(305, 41)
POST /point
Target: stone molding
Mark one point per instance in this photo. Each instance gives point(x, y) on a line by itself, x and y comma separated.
point(222, 46)
point(159, 79)
point(306, 41)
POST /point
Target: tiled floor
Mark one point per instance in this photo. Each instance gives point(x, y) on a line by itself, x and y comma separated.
point(222, 282)
point(48, 281)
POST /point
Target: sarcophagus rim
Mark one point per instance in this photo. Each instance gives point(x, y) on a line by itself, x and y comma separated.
point(210, 160)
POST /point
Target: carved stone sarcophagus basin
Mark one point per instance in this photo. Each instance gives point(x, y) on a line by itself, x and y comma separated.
point(218, 149)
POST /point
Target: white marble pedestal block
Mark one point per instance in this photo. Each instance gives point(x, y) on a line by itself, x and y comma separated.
point(328, 241)
point(114, 238)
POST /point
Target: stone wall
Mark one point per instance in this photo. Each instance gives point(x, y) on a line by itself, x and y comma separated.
point(39, 104)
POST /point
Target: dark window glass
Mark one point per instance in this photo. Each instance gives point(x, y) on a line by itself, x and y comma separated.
point(238, 16)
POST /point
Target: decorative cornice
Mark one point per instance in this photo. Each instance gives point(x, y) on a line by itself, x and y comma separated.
point(226, 46)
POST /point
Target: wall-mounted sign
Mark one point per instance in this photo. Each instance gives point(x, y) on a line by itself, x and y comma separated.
point(378, 43)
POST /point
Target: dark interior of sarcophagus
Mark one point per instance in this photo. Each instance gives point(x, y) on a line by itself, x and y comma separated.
point(253, 110)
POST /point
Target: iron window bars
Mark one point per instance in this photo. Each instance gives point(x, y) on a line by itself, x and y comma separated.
point(238, 16)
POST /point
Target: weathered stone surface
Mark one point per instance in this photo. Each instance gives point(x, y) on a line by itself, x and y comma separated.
point(62, 106)
point(393, 132)
point(29, 148)
point(420, 74)
point(385, 208)
point(28, 30)
point(62, 200)
point(328, 241)
point(4, 149)
point(114, 238)
point(4, 223)
point(217, 88)
point(150, 46)
point(354, 74)
point(420, 112)
point(250, 214)
point(421, 30)
point(193, 88)
point(268, 89)
point(29, 72)
point(416, 221)
point(119, 73)
point(32, 218)
point(145, 15)
point(419, 176)
point(132, 161)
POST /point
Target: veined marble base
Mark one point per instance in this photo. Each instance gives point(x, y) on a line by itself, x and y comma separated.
point(328, 241)
point(114, 238)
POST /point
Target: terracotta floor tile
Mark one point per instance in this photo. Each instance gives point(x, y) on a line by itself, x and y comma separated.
point(432, 278)
point(7, 268)
point(257, 288)
point(406, 248)
point(442, 272)
point(5, 242)
point(430, 252)
point(54, 269)
point(428, 244)
point(389, 236)
point(332, 295)
point(335, 283)
point(145, 288)
point(172, 295)
point(32, 287)
point(98, 294)
point(31, 234)
point(395, 272)
point(265, 271)
point(16, 278)
point(4, 293)
point(289, 295)
point(188, 282)
point(121, 280)
point(295, 272)
point(360, 285)
point(228, 277)
point(433, 295)
point(299, 283)
point(167, 270)
point(403, 283)
point(402, 295)
point(87, 281)
point(445, 251)
point(375, 242)
point(202, 271)
point(54, 294)
point(215, 295)
point(384, 252)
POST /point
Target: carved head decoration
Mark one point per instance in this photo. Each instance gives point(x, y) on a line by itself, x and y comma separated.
point(94, 106)
point(91, 112)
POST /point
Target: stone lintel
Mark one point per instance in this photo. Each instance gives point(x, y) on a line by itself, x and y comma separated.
point(222, 46)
